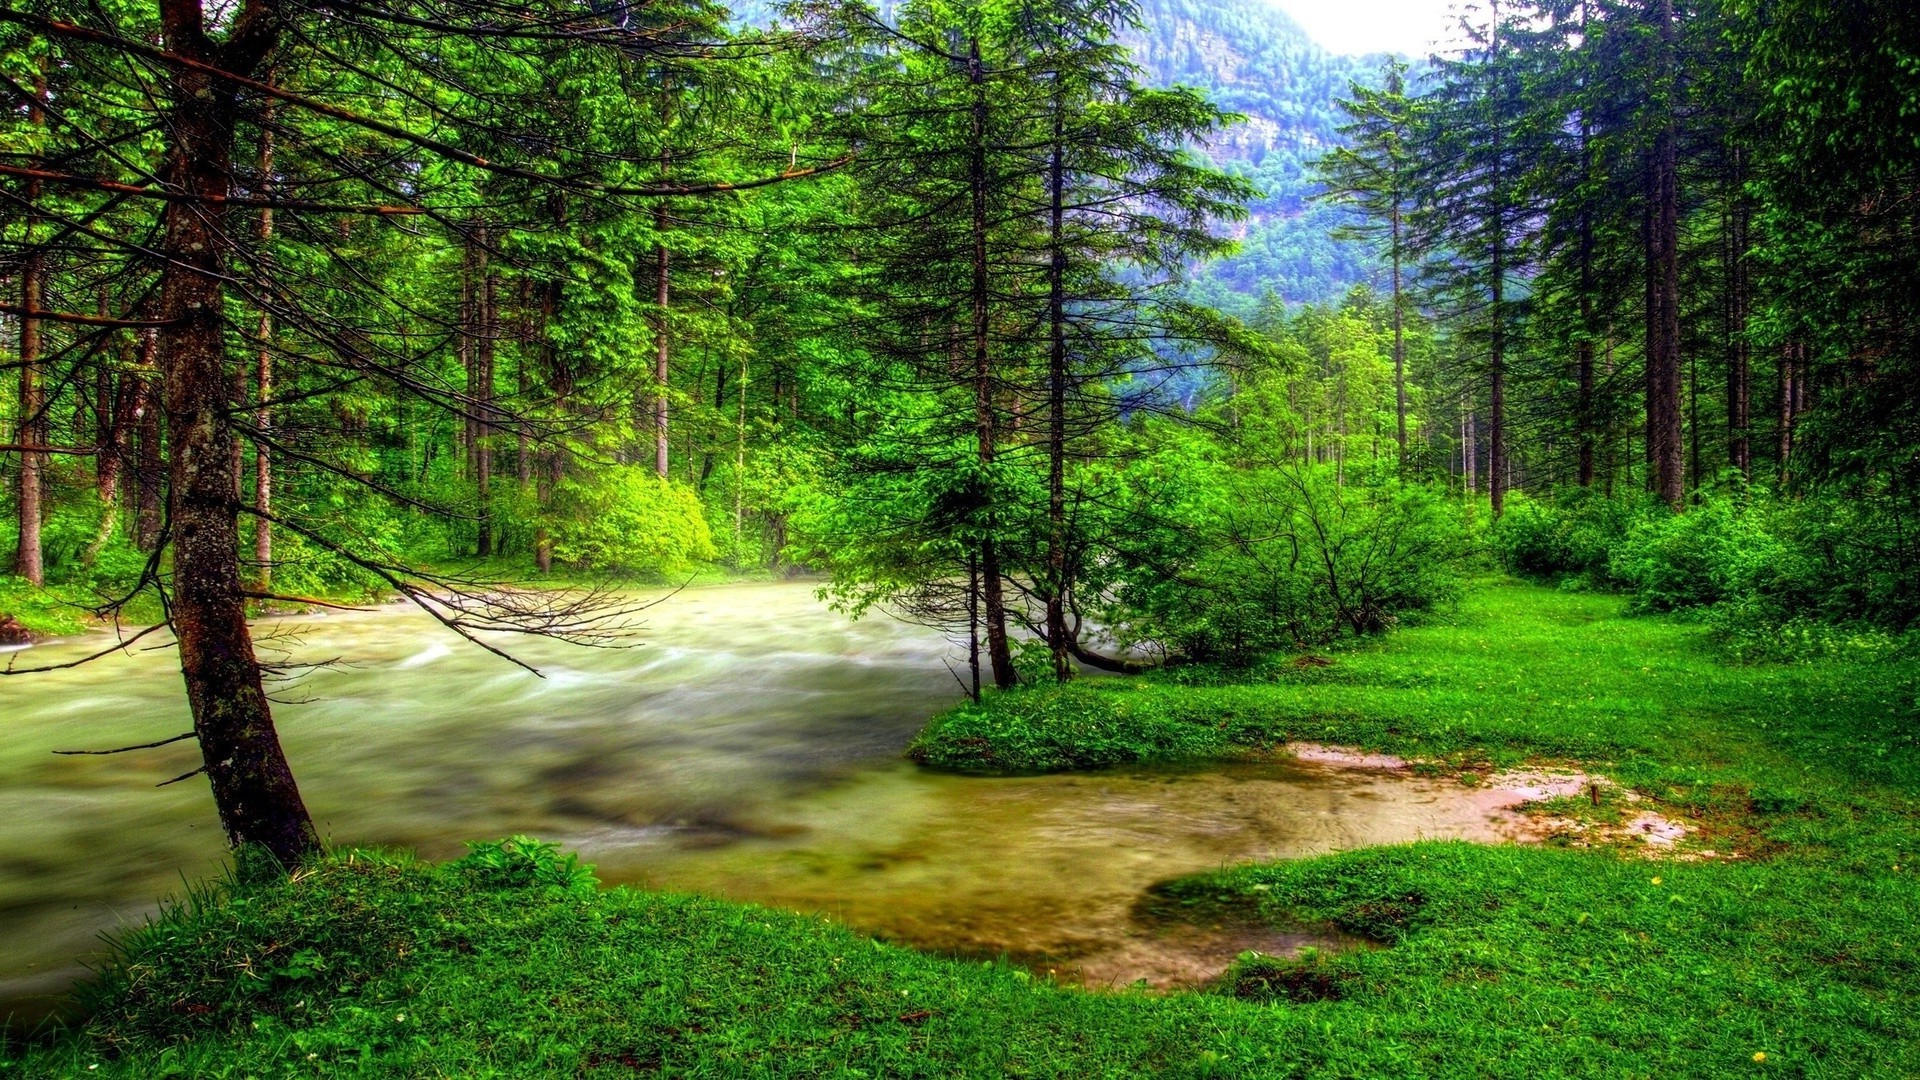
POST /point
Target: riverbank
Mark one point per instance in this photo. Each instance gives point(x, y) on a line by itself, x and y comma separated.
point(65, 610)
point(1794, 948)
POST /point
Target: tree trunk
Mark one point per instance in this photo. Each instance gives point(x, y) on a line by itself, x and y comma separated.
point(1739, 353)
point(973, 626)
point(1470, 451)
point(740, 462)
point(1665, 452)
point(999, 649)
point(1057, 400)
point(552, 472)
point(150, 466)
point(263, 383)
point(253, 787)
point(1583, 346)
point(1399, 344)
point(27, 554)
point(121, 408)
point(1787, 382)
point(1497, 379)
point(480, 387)
point(1497, 339)
point(27, 561)
point(663, 281)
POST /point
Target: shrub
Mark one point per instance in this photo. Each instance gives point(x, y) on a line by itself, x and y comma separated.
point(1052, 727)
point(624, 518)
point(1569, 538)
point(1721, 550)
point(1286, 557)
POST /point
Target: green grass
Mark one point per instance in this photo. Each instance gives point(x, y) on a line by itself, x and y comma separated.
point(45, 613)
point(1518, 672)
point(1492, 961)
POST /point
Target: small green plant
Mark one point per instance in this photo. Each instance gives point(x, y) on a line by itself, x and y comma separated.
point(519, 862)
point(1305, 978)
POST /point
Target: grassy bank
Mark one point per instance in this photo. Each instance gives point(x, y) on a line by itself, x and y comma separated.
point(1799, 957)
point(1518, 672)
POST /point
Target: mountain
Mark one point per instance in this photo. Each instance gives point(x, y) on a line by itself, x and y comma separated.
point(1254, 60)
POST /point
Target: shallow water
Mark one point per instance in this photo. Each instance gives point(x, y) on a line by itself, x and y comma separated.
point(749, 749)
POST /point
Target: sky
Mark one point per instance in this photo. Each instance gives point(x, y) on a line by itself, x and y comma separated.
point(1364, 26)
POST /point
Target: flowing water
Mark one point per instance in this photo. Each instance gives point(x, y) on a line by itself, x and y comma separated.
point(750, 749)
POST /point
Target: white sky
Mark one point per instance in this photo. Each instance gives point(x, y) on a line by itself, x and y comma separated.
point(1364, 26)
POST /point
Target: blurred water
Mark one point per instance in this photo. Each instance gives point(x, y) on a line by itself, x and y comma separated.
point(749, 749)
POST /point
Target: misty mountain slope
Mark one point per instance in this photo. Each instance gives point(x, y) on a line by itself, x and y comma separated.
point(1250, 58)
point(1253, 59)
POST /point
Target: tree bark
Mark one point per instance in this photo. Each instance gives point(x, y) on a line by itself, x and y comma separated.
point(28, 560)
point(1788, 381)
point(119, 407)
point(999, 648)
point(1470, 451)
point(1056, 615)
point(1665, 451)
point(480, 389)
point(1497, 339)
point(1399, 343)
point(663, 283)
point(740, 461)
point(263, 382)
point(1583, 345)
point(1497, 378)
point(1739, 352)
point(150, 468)
point(253, 787)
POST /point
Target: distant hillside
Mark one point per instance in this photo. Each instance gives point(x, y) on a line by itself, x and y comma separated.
point(1251, 58)
point(1254, 60)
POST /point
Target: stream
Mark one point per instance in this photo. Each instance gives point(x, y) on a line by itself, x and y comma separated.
point(750, 748)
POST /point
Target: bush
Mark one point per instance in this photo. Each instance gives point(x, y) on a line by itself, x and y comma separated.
point(1776, 578)
point(1569, 539)
point(1287, 557)
point(1722, 550)
point(520, 862)
point(624, 518)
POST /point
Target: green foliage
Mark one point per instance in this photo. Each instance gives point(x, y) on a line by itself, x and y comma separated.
point(624, 518)
point(1724, 550)
point(520, 862)
point(1061, 727)
point(1570, 538)
point(1281, 557)
point(1516, 672)
point(1777, 578)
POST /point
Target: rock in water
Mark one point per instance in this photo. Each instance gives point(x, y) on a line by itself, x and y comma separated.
point(12, 633)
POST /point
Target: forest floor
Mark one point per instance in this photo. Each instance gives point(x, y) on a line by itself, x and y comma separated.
point(1782, 938)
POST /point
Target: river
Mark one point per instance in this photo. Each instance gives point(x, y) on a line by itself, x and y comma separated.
point(749, 747)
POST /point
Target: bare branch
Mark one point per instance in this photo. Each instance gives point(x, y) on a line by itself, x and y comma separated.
point(126, 749)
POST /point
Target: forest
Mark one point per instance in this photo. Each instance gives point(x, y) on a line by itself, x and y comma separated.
point(1546, 407)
